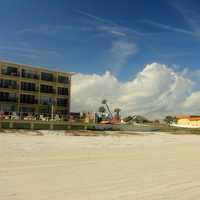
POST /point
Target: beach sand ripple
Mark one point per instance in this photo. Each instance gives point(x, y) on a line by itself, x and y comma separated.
point(144, 167)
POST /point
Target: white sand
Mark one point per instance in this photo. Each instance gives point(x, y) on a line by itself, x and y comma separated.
point(150, 167)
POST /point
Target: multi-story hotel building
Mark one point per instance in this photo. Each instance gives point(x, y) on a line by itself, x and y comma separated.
point(26, 89)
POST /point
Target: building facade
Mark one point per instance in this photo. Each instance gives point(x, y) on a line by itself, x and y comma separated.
point(26, 89)
point(187, 121)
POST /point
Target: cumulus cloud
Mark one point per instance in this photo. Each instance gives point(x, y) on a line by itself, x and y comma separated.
point(155, 92)
point(192, 102)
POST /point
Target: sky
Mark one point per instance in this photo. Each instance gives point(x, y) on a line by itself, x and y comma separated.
point(143, 56)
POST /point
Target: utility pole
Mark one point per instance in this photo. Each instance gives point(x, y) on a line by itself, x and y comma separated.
point(52, 111)
point(105, 102)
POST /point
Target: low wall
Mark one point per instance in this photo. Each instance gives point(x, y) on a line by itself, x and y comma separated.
point(184, 126)
point(42, 125)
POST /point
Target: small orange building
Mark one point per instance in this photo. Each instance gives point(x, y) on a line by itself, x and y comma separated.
point(188, 121)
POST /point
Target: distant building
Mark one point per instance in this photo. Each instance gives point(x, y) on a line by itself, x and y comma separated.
point(90, 117)
point(187, 121)
point(75, 116)
point(87, 117)
point(27, 89)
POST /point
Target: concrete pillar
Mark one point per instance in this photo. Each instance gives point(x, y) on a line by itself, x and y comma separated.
point(10, 124)
point(32, 126)
point(51, 126)
point(68, 127)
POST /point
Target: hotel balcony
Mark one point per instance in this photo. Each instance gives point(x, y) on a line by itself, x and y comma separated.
point(30, 75)
point(46, 101)
point(8, 97)
point(47, 89)
point(28, 99)
point(47, 77)
point(63, 79)
point(62, 91)
point(29, 87)
point(10, 71)
point(62, 102)
point(9, 84)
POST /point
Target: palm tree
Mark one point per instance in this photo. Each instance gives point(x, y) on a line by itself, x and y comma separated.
point(104, 101)
point(102, 109)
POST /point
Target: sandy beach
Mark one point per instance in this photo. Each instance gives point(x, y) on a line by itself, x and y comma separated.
point(151, 166)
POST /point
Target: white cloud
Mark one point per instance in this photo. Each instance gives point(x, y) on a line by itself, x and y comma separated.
point(155, 92)
point(120, 52)
point(110, 26)
point(168, 27)
point(192, 102)
point(53, 30)
point(195, 73)
point(190, 15)
point(30, 53)
point(89, 90)
point(114, 30)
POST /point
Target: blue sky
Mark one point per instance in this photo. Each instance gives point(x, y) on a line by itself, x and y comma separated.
point(93, 36)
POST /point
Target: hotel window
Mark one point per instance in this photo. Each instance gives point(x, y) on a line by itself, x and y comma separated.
point(46, 101)
point(62, 102)
point(11, 71)
point(29, 99)
point(63, 79)
point(62, 91)
point(8, 108)
point(28, 86)
point(29, 74)
point(27, 109)
point(5, 96)
point(46, 89)
point(8, 84)
point(47, 76)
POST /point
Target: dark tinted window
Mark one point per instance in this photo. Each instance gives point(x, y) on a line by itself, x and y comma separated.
point(8, 84)
point(63, 79)
point(62, 91)
point(62, 102)
point(13, 71)
point(46, 76)
point(5, 96)
point(46, 89)
point(30, 99)
point(28, 74)
point(28, 86)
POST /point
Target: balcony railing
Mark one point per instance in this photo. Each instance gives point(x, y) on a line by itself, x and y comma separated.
point(48, 91)
point(63, 80)
point(35, 101)
point(46, 103)
point(29, 89)
point(9, 86)
point(10, 72)
point(30, 75)
point(47, 77)
point(9, 99)
point(62, 91)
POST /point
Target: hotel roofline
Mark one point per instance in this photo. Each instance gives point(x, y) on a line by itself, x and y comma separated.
point(37, 67)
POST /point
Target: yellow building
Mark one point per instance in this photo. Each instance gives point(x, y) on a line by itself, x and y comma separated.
point(189, 121)
point(26, 89)
point(90, 117)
